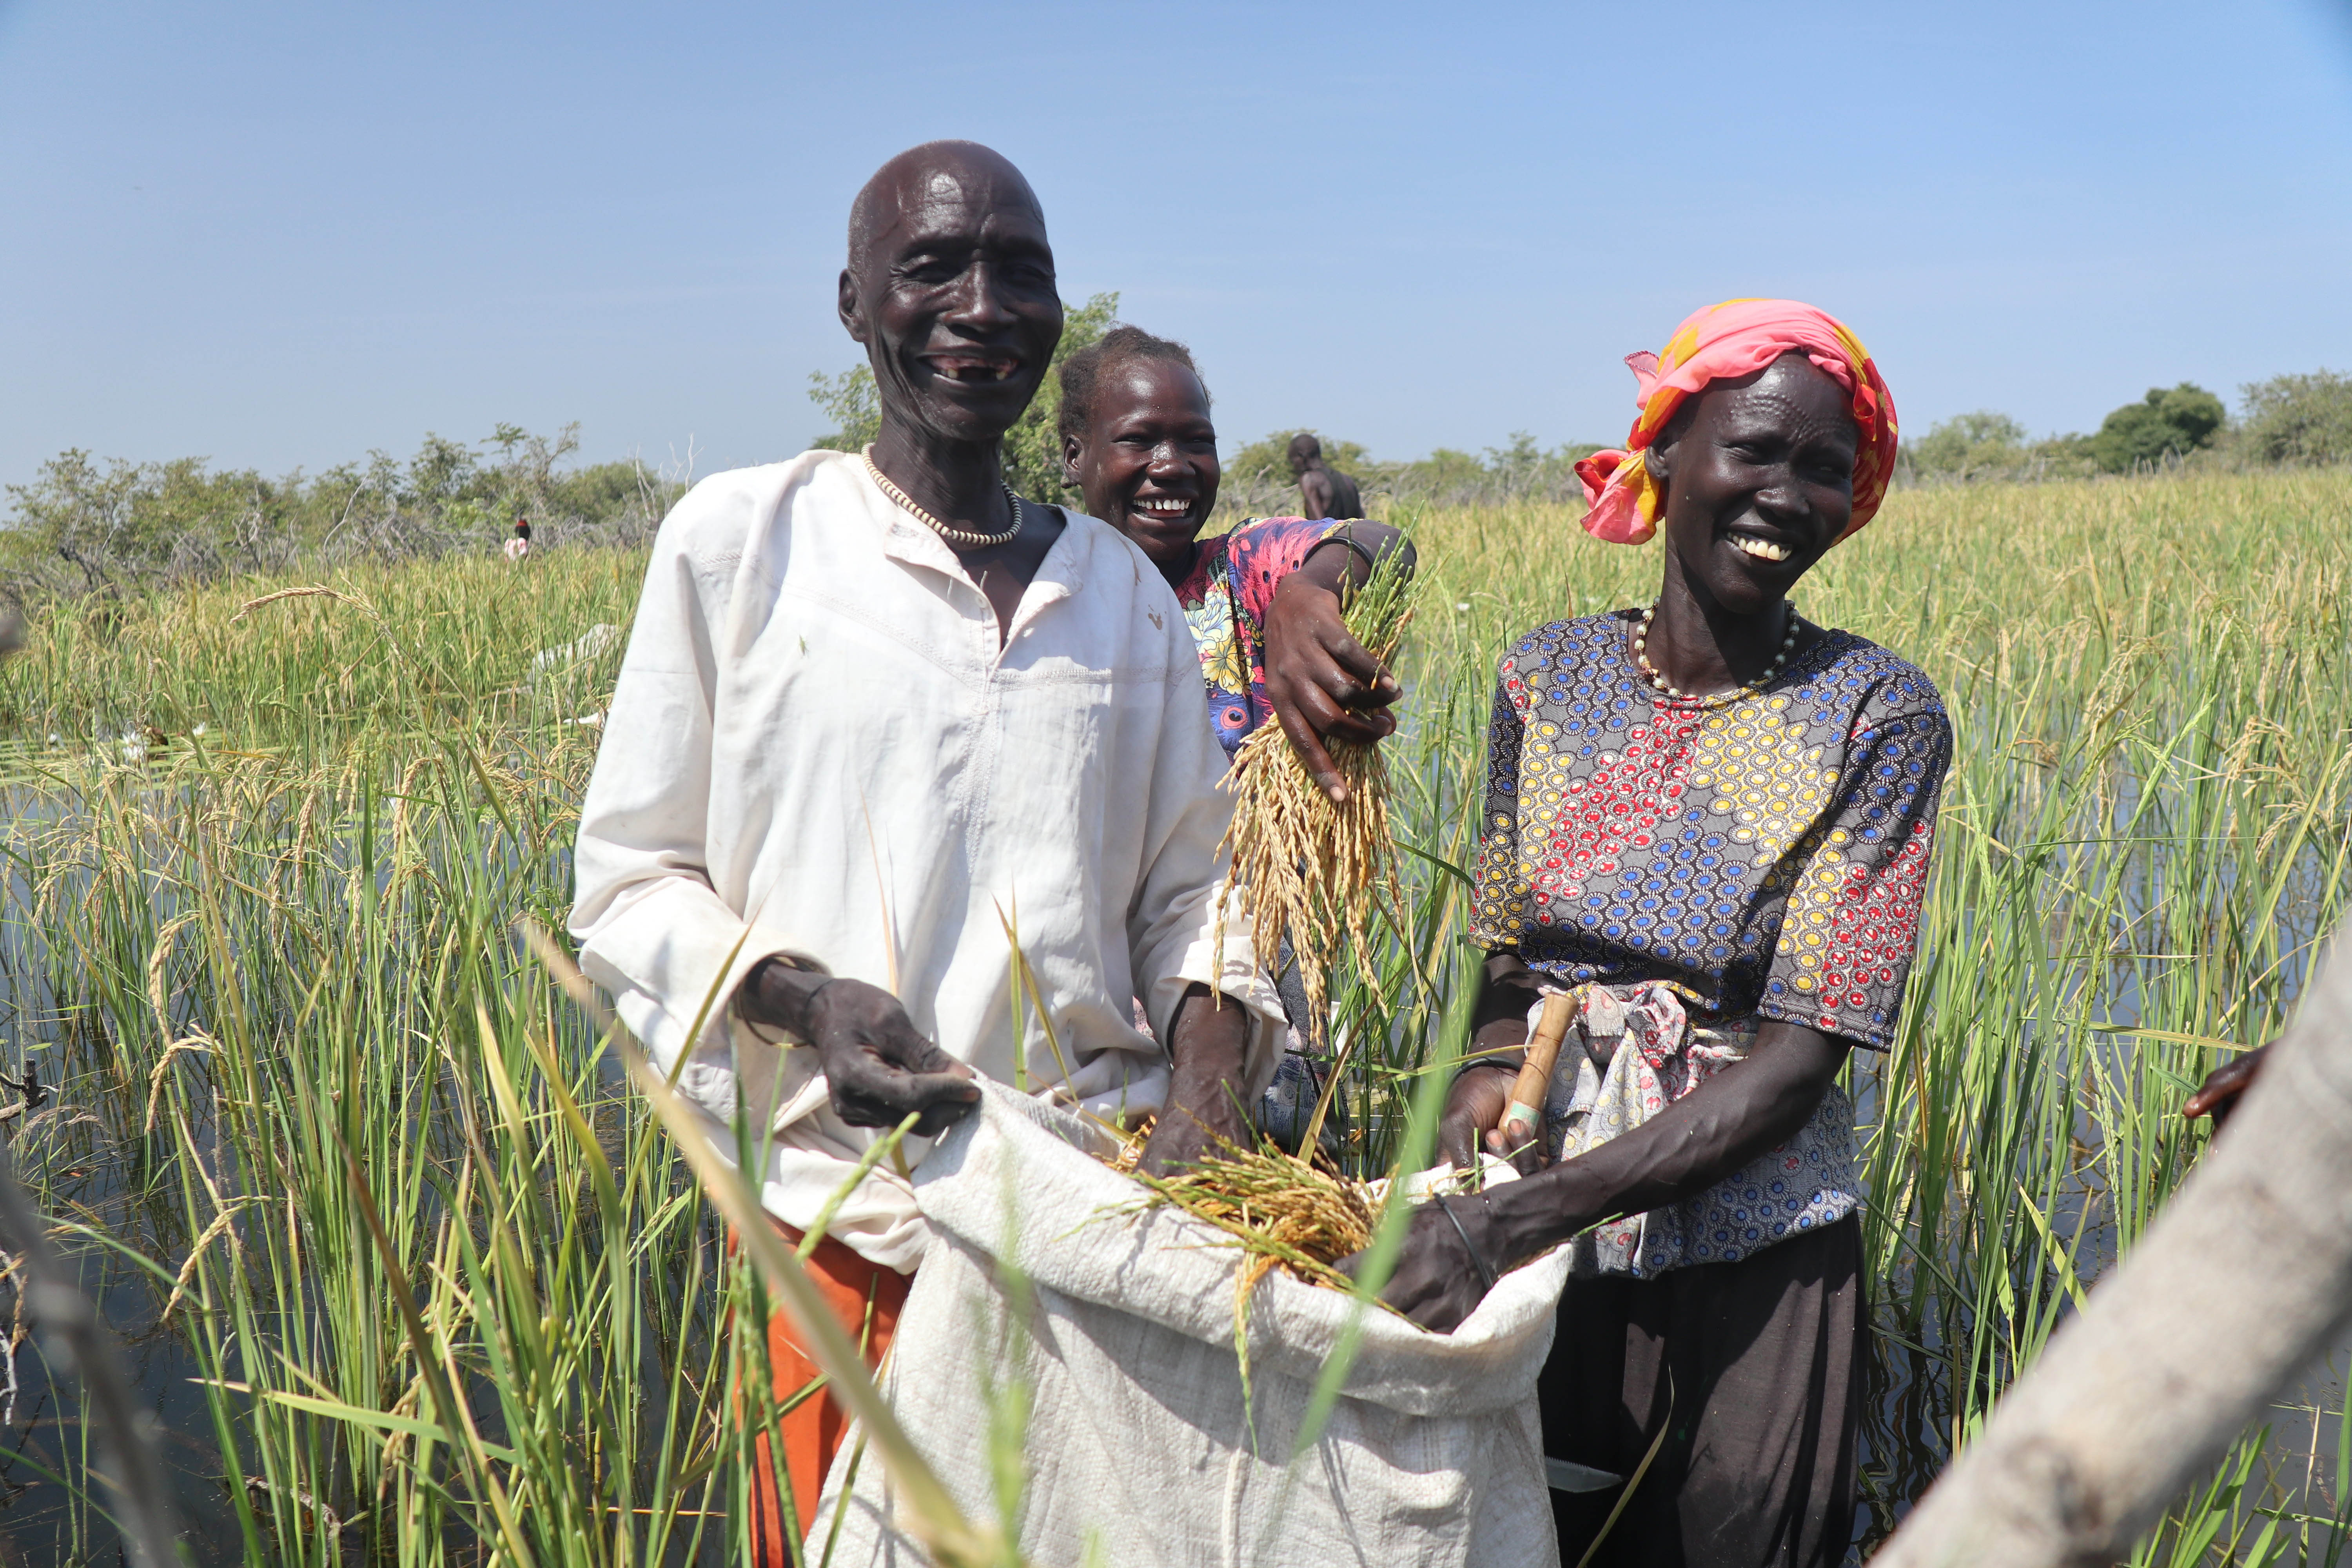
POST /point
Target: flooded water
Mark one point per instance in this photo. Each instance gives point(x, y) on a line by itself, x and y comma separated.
point(99, 1184)
point(96, 1186)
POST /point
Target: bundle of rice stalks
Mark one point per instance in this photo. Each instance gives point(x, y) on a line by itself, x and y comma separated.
point(1312, 870)
point(1285, 1212)
point(1130, 1147)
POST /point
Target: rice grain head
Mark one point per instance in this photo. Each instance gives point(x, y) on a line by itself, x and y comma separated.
point(1309, 871)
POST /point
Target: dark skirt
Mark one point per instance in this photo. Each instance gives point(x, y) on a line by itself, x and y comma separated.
point(1754, 1370)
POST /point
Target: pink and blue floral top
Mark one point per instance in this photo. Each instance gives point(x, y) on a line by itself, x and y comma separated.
point(1226, 598)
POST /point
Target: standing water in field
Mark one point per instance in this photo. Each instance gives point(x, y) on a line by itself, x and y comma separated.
point(269, 974)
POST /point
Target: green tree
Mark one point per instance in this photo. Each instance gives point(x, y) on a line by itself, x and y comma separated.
point(1446, 469)
point(2172, 423)
point(2299, 418)
point(116, 525)
point(852, 403)
point(1969, 446)
point(1033, 453)
point(86, 526)
point(1258, 480)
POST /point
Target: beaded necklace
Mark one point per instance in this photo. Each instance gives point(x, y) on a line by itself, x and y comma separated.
point(964, 537)
point(1721, 699)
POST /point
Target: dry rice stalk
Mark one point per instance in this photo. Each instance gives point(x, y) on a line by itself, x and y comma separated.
point(1284, 1210)
point(1312, 870)
point(1131, 1148)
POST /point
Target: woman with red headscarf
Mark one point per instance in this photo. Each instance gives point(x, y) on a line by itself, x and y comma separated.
point(1706, 829)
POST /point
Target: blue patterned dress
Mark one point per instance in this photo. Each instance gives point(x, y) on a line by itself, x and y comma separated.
point(1764, 859)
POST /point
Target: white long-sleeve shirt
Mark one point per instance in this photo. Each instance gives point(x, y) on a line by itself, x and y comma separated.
point(816, 747)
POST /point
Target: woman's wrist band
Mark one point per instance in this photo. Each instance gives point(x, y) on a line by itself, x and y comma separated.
point(1347, 541)
point(1481, 1059)
point(1486, 1275)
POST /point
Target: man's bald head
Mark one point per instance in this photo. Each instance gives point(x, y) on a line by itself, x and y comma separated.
point(904, 181)
point(951, 287)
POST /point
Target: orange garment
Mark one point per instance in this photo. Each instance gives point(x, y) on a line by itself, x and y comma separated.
point(865, 1299)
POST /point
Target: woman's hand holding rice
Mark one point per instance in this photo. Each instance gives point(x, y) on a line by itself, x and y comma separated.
point(1321, 683)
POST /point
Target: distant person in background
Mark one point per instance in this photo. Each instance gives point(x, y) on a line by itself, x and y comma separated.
point(1325, 492)
point(520, 545)
point(1262, 600)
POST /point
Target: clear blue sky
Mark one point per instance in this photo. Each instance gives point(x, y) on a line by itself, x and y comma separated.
point(281, 234)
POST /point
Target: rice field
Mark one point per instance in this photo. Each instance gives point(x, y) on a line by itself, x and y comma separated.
point(409, 1277)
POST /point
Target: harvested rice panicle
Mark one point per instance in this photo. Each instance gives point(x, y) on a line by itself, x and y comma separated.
point(1285, 1212)
point(1312, 870)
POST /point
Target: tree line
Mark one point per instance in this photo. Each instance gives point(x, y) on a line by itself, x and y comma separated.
point(86, 526)
point(2286, 420)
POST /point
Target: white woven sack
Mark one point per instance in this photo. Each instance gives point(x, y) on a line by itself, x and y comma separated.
point(1138, 1453)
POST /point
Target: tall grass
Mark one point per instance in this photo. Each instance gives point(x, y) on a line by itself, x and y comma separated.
point(272, 970)
point(2144, 833)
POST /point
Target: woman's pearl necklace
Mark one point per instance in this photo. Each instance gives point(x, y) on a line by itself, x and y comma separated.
point(1676, 694)
point(964, 537)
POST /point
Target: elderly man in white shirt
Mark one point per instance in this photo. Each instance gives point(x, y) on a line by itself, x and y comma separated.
point(877, 712)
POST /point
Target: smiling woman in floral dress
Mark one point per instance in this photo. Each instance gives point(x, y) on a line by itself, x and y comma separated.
point(1262, 601)
point(1710, 822)
point(1262, 598)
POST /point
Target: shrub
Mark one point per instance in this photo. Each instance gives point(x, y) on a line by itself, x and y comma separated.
point(86, 526)
point(1264, 465)
point(2165, 424)
point(1991, 446)
point(1258, 479)
point(2299, 418)
point(102, 526)
point(1982, 444)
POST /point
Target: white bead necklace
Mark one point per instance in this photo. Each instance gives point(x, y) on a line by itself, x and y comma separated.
point(1676, 694)
point(964, 537)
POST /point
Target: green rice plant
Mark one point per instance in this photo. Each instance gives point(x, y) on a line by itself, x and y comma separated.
point(268, 972)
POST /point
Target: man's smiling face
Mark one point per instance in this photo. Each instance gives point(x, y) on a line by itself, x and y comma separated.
point(953, 292)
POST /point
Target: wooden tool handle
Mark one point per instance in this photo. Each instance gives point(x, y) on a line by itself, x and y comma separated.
point(1534, 1085)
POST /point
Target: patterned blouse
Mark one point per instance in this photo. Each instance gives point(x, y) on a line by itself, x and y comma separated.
point(1767, 859)
point(1226, 598)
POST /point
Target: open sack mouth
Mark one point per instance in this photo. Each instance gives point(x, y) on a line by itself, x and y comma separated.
point(973, 369)
point(1761, 548)
point(1161, 508)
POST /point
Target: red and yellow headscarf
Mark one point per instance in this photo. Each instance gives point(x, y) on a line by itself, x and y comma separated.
point(1723, 342)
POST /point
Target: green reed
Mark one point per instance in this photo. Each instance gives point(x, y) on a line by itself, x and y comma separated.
point(2143, 835)
point(273, 968)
